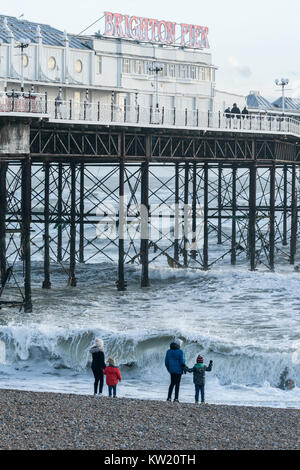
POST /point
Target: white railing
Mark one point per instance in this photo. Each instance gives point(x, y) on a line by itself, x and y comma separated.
point(164, 117)
point(13, 102)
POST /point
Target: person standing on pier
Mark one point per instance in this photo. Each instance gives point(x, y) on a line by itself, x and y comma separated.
point(227, 114)
point(236, 116)
point(236, 111)
point(59, 104)
point(175, 364)
point(245, 113)
point(98, 366)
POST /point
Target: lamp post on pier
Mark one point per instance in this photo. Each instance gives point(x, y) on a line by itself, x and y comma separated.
point(23, 44)
point(156, 68)
point(283, 83)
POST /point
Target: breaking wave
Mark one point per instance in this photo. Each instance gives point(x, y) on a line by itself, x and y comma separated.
point(142, 353)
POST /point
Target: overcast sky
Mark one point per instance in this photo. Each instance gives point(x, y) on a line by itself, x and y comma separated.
point(252, 42)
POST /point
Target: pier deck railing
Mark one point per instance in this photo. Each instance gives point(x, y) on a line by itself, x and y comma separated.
point(104, 114)
point(17, 102)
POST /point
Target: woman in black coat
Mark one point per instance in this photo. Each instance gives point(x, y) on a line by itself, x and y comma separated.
point(98, 365)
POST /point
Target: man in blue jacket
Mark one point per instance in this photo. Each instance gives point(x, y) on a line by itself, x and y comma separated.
point(175, 364)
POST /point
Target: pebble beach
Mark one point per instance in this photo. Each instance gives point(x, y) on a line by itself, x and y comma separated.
point(48, 421)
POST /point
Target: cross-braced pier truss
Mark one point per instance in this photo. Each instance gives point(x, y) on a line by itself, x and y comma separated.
point(145, 196)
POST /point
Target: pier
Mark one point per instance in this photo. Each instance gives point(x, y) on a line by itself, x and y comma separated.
point(65, 167)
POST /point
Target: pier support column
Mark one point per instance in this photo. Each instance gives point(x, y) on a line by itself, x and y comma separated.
point(46, 283)
point(72, 279)
point(285, 203)
point(122, 219)
point(194, 214)
point(252, 217)
point(3, 210)
point(272, 218)
point(177, 221)
point(205, 219)
point(186, 214)
point(145, 224)
point(81, 216)
point(220, 174)
point(25, 228)
point(234, 210)
point(59, 212)
point(294, 218)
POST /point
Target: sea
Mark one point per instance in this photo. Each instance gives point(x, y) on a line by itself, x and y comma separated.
point(246, 322)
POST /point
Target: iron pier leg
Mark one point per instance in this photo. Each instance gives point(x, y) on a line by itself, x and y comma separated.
point(186, 214)
point(205, 219)
point(294, 217)
point(285, 200)
point(121, 275)
point(81, 208)
point(177, 223)
point(3, 210)
point(234, 207)
point(72, 279)
point(220, 204)
point(252, 217)
point(59, 212)
point(26, 221)
point(272, 218)
point(145, 224)
point(194, 214)
point(46, 283)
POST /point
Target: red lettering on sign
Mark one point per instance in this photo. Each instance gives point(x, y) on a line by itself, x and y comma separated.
point(198, 34)
point(126, 26)
point(109, 27)
point(172, 32)
point(204, 40)
point(163, 32)
point(184, 31)
point(191, 41)
point(144, 28)
point(154, 24)
point(133, 29)
point(118, 24)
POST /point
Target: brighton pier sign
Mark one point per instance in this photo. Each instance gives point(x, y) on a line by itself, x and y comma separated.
point(155, 31)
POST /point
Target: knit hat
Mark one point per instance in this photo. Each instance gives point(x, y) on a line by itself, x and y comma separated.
point(200, 359)
point(111, 361)
point(100, 344)
point(178, 342)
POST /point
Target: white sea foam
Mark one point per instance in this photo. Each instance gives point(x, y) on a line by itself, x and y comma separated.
point(52, 358)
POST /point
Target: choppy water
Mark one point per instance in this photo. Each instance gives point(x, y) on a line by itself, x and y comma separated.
point(247, 323)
